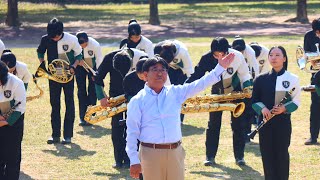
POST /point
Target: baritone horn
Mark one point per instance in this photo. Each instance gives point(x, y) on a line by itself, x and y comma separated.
point(309, 62)
point(58, 70)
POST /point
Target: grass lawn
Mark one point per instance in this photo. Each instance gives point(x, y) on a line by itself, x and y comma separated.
point(91, 154)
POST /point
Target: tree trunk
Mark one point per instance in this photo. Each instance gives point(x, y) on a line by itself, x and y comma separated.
point(302, 15)
point(12, 13)
point(154, 15)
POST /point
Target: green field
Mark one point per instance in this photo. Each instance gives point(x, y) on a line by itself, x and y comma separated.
point(90, 156)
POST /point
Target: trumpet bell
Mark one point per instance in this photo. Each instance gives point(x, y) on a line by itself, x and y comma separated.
point(309, 62)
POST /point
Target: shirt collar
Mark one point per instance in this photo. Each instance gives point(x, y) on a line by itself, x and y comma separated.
point(151, 91)
point(277, 73)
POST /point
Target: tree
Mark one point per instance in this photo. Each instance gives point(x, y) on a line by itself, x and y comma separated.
point(12, 13)
point(154, 14)
point(302, 15)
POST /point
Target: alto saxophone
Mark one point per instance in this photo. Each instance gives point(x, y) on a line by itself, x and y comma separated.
point(208, 103)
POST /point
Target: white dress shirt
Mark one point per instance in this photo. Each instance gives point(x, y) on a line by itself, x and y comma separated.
point(155, 118)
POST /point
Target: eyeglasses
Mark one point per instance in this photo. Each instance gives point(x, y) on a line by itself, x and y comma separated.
point(155, 70)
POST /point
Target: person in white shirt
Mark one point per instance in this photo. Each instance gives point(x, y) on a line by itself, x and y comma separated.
point(249, 55)
point(2, 47)
point(157, 125)
point(12, 107)
point(136, 40)
point(261, 53)
point(17, 68)
point(92, 55)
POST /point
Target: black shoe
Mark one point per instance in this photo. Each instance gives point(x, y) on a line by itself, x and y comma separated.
point(240, 162)
point(66, 141)
point(117, 166)
point(53, 140)
point(310, 142)
point(209, 162)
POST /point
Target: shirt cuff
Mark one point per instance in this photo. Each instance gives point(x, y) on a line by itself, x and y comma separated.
point(40, 55)
point(13, 117)
point(134, 160)
point(99, 91)
point(257, 107)
point(218, 70)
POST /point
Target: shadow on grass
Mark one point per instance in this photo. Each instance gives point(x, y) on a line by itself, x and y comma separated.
point(123, 173)
point(94, 131)
point(24, 176)
point(72, 151)
point(246, 172)
point(188, 130)
point(253, 148)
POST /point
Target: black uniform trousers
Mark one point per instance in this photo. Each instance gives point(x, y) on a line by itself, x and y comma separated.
point(55, 95)
point(86, 97)
point(314, 116)
point(118, 135)
point(274, 140)
point(177, 77)
point(10, 150)
point(213, 135)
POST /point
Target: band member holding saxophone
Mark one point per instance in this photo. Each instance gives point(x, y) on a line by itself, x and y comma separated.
point(136, 40)
point(12, 107)
point(236, 76)
point(268, 90)
point(60, 45)
point(15, 67)
point(124, 60)
point(92, 54)
point(310, 39)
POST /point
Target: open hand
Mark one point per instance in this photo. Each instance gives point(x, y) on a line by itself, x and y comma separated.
point(226, 61)
point(266, 114)
point(105, 102)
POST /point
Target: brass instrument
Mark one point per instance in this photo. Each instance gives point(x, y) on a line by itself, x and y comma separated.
point(209, 103)
point(29, 98)
point(305, 60)
point(88, 68)
point(58, 71)
point(11, 110)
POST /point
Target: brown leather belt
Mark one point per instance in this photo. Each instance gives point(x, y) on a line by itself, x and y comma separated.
point(161, 146)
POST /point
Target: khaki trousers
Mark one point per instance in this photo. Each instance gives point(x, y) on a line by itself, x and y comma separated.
point(162, 164)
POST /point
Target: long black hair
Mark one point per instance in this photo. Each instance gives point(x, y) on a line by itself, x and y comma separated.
point(3, 73)
point(284, 52)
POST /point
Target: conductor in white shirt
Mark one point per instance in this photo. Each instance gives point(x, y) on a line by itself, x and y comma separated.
point(154, 119)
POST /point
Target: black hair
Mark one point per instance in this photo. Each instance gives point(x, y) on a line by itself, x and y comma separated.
point(140, 63)
point(167, 52)
point(9, 59)
point(82, 37)
point(257, 49)
point(219, 44)
point(54, 28)
point(316, 25)
point(284, 52)
point(3, 73)
point(6, 50)
point(122, 62)
point(134, 28)
point(238, 44)
point(153, 61)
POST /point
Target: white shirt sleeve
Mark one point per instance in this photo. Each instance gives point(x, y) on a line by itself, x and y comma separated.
point(98, 55)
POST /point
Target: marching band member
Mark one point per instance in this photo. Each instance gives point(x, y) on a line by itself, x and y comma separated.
point(177, 56)
point(124, 60)
point(249, 55)
point(2, 47)
point(17, 68)
point(157, 125)
point(261, 53)
point(236, 76)
point(92, 54)
point(268, 90)
point(310, 39)
point(60, 45)
point(136, 40)
point(13, 94)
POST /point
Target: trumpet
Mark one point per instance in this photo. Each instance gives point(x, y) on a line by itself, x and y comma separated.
point(309, 62)
point(88, 68)
point(58, 71)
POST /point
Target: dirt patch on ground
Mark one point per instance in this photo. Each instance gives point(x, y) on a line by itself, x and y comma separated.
point(28, 35)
